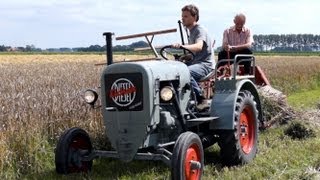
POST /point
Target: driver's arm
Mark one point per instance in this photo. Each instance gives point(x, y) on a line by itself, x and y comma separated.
point(196, 47)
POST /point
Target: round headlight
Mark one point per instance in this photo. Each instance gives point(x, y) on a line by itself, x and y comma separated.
point(90, 96)
point(166, 93)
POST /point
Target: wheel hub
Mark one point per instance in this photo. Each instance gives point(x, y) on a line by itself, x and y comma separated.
point(192, 163)
point(243, 129)
point(75, 157)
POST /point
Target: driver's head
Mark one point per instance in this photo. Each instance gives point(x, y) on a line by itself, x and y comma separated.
point(190, 15)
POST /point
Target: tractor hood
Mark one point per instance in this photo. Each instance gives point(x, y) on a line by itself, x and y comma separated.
point(130, 100)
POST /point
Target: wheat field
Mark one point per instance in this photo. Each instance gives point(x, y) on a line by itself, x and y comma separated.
point(291, 74)
point(40, 97)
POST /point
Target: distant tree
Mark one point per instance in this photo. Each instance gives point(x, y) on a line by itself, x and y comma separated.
point(30, 48)
point(3, 48)
point(286, 42)
point(76, 49)
point(94, 48)
point(52, 50)
point(65, 49)
point(139, 44)
point(21, 48)
point(122, 48)
point(130, 47)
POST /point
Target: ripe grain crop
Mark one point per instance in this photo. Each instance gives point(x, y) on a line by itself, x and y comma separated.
point(292, 74)
point(40, 97)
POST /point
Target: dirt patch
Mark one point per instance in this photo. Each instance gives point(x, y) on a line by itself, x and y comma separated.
point(300, 130)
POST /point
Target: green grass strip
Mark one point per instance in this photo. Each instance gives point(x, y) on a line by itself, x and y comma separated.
point(305, 99)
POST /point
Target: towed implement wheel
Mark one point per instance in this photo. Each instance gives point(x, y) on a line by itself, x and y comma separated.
point(239, 146)
point(187, 159)
point(72, 145)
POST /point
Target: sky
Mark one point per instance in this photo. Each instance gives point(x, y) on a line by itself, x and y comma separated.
point(81, 23)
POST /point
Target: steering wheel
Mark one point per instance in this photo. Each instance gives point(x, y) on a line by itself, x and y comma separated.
point(176, 53)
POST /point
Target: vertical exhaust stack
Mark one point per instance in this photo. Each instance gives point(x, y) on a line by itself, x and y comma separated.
point(109, 47)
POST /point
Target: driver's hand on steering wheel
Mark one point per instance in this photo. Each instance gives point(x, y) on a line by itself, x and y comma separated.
point(176, 45)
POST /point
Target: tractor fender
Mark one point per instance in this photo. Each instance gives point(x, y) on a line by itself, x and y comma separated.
point(224, 102)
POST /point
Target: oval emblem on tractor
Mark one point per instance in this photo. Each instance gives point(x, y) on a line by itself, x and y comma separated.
point(123, 92)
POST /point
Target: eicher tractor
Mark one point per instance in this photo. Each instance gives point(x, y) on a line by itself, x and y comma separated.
point(150, 113)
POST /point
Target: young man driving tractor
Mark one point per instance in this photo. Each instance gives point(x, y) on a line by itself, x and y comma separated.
point(199, 43)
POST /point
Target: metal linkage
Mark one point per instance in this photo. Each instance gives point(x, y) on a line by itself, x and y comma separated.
point(139, 156)
point(249, 58)
point(146, 35)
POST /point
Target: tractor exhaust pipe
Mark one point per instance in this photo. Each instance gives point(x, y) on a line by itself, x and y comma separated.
point(109, 47)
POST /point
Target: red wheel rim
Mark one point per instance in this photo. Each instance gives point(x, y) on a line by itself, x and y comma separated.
point(76, 144)
point(192, 156)
point(247, 129)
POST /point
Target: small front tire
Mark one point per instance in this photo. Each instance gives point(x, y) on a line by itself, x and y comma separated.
point(187, 158)
point(72, 145)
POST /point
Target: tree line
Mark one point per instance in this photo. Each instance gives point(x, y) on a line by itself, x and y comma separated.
point(262, 43)
point(91, 48)
point(286, 42)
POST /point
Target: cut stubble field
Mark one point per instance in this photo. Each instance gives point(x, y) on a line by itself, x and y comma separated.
point(40, 97)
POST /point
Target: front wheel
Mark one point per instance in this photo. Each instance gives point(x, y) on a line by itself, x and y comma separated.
point(187, 158)
point(73, 144)
point(239, 146)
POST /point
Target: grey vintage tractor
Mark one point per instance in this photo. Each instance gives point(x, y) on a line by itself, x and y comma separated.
point(150, 113)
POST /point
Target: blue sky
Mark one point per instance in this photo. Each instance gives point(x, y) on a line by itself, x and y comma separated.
point(80, 23)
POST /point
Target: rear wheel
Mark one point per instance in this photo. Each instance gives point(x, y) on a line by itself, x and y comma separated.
point(187, 158)
point(239, 146)
point(73, 144)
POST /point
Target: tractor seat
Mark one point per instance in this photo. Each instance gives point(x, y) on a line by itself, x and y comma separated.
point(208, 76)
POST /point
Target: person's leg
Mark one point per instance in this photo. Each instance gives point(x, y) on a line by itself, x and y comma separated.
point(222, 55)
point(197, 72)
point(245, 51)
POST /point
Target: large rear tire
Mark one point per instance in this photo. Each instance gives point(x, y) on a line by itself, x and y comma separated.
point(187, 158)
point(73, 144)
point(239, 146)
